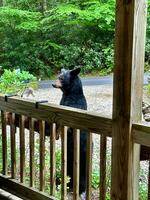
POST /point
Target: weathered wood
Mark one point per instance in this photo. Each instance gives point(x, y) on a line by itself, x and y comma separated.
point(67, 116)
point(42, 154)
point(128, 82)
point(64, 163)
point(13, 145)
point(141, 133)
point(149, 181)
point(52, 160)
point(32, 144)
point(103, 143)
point(4, 142)
point(76, 163)
point(22, 149)
point(7, 196)
point(23, 191)
point(89, 167)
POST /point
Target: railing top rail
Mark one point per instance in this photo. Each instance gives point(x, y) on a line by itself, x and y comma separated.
point(72, 117)
point(141, 133)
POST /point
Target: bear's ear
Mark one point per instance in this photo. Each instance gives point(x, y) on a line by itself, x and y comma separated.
point(75, 71)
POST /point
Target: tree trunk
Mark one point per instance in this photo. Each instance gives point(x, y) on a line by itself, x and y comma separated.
point(44, 5)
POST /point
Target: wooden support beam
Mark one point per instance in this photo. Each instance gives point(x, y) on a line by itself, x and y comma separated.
point(127, 97)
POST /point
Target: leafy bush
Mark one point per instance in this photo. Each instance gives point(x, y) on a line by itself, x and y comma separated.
point(92, 57)
point(14, 82)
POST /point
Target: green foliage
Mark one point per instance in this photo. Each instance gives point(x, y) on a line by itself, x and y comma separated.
point(148, 89)
point(93, 57)
point(13, 82)
point(43, 42)
point(67, 33)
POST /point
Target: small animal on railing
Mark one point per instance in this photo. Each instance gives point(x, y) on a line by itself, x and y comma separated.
point(29, 91)
point(71, 87)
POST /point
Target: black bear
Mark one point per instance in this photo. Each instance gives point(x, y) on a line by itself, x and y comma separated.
point(71, 86)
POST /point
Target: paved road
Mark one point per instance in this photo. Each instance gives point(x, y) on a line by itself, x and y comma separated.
point(107, 80)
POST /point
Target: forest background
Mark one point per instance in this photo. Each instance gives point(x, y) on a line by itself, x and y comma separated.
point(42, 36)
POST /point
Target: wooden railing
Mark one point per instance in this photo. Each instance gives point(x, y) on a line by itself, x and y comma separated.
point(55, 116)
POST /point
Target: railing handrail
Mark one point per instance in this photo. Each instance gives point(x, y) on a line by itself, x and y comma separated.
point(68, 116)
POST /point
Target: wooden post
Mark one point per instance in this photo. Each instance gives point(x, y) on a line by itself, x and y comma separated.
point(13, 145)
point(22, 149)
point(127, 98)
point(76, 163)
point(64, 163)
point(103, 149)
point(42, 154)
point(52, 159)
point(4, 142)
point(32, 153)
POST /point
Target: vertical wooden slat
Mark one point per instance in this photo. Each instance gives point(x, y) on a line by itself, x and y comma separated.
point(13, 145)
point(149, 181)
point(22, 149)
point(76, 164)
point(32, 143)
point(88, 166)
point(52, 160)
point(64, 163)
point(103, 141)
point(4, 142)
point(127, 96)
point(42, 154)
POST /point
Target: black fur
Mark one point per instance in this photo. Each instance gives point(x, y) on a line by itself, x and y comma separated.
point(73, 96)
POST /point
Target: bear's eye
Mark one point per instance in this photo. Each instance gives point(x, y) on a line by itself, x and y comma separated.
point(61, 78)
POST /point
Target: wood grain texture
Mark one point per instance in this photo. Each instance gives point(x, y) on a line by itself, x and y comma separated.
point(64, 163)
point(66, 116)
point(76, 163)
point(13, 145)
point(4, 142)
point(141, 133)
point(42, 154)
point(52, 160)
point(148, 181)
point(128, 83)
point(32, 146)
point(103, 145)
point(23, 191)
point(22, 149)
point(89, 167)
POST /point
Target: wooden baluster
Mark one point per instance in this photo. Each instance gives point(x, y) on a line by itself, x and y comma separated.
point(32, 144)
point(88, 166)
point(103, 141)
point(4, 142)
point(149, 181)
point(22, 149)
point(13, 145)
point(64, 163)
point(76, 164)
point(52, 160)
point(42, 154)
